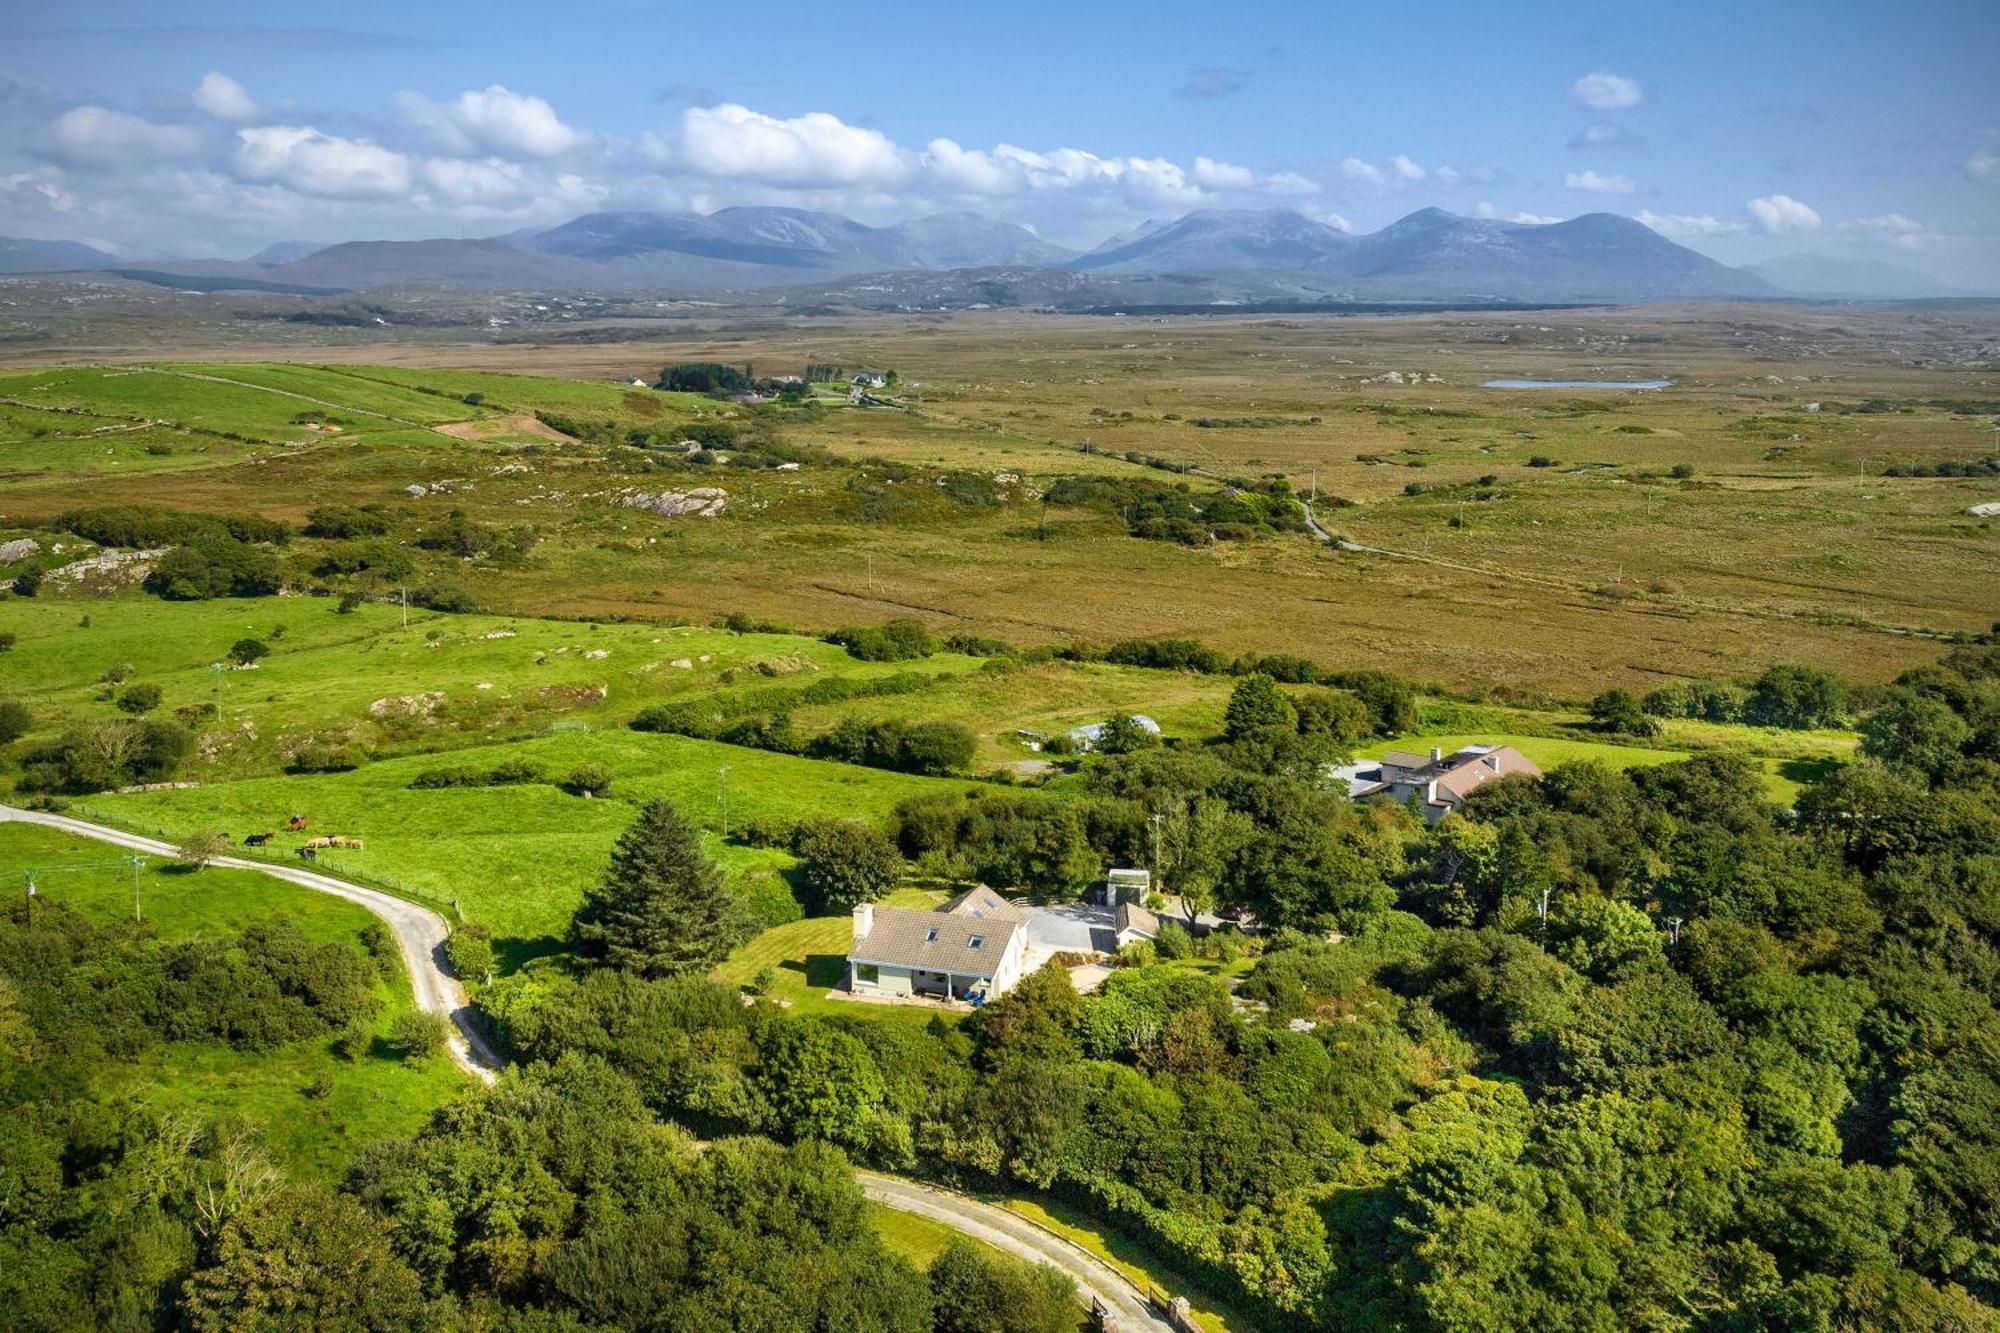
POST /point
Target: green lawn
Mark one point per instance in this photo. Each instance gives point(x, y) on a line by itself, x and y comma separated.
point(380, 1096)
point(807, 958)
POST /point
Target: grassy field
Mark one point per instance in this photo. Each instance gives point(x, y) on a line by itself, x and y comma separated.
point(1785, 543)
point(367, 678)
point(517, 858)
point(380, 1096)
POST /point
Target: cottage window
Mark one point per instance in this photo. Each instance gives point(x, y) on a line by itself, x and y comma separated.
point(867, 972)
point(930, 937)
point(975, 942)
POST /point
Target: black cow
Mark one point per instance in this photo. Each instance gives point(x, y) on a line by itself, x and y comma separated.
point(256, 839)
point(308, 854)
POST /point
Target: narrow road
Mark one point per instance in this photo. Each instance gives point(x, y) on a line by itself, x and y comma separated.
point(419, 931)
point(1016, 1235)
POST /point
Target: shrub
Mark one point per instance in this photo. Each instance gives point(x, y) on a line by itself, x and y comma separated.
point(7, 641)
point(419, 1034)
point(903, 639)
point(348, 601)
point(469, 950)
point(446, 595)
point(1619, 712)
point(214, 566)
point(588, 780)
point(321, 756)
point(141, 698)
point(356, 1039)
point(16, 720)
point(245, 651)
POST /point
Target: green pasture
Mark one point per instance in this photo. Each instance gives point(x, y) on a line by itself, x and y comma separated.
point(808, 958)
point(517, 858)
point(380, 1096)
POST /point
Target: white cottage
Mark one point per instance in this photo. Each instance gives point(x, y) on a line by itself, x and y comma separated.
point(971, 948)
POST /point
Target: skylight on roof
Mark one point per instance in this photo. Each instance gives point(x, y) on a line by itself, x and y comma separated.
point(930, 937)
point(975, 942)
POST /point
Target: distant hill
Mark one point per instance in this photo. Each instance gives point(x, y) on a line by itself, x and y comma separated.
point(1435, 255)
point(1214, 240)
point(1864, 279)
point(19, 254)
point(284, 252)
point(1264, 255)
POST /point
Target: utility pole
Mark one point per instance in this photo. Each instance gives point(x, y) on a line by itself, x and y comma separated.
point(403, 594)
point(722, 778)
point(218, 692)
point(1542, 907)
point(1674, 929)
point(136, 862)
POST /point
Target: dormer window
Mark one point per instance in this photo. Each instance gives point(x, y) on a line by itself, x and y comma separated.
point(930, 937)
point(975, 942)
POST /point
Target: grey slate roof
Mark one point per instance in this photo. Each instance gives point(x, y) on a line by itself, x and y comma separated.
point(941, 941)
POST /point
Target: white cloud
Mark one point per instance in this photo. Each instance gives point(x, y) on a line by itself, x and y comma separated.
point(91, 136)
point(224, 98)
point(1357, 170)
point(1600, 135)
point(490, 182)
point(1983, 166)
point(1780, 213)
point(968, 170)
point(1690, 224)
point(1289, 182)
point(1894, 223)
point(495, 119)
point(1406, 169)
point(36, 191)
point(813, 150)
point(1607, 92)
point(1222, 175)
point(1600, 184)
point(305, 160)
point(1534, 219)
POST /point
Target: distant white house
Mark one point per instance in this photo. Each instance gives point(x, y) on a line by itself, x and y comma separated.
point(1088, 735)
point(1440, 782)
point(869, 379)
point(970, 949)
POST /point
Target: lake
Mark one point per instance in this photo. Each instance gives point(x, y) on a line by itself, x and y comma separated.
point(1578, 384)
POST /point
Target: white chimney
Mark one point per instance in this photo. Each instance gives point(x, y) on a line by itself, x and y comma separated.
point(1436, 754)
point(864, 920)
point(1431, 792)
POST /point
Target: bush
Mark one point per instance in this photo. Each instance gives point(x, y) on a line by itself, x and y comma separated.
point(213, 567)
point(419, 1034)
point(901, 640)
point(245, 651)
point(446, 595)
point(16, 720)
point(7, 641)
point(323, 757)
point(141, 698)
point(588, 780)
point(469, 950)
point(1619, 712)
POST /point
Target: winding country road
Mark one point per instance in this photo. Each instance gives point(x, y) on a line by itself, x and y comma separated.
point(421, 932)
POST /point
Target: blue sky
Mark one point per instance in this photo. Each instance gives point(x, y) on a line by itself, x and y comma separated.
point(1747, 130)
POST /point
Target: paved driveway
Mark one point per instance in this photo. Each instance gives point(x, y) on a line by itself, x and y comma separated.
point(1068, 928)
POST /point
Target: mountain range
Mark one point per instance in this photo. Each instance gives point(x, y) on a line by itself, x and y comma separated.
point(965, 258)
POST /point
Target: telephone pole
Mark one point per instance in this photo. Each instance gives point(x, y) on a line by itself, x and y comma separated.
point(136, 863)
point(1158, 819)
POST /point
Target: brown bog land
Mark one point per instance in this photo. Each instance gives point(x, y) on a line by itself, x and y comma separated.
point(1549, 540)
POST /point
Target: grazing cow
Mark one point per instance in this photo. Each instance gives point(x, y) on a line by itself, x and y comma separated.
point(295, 824)
point(338, 841)
point(256, 839)
point(307, 854)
